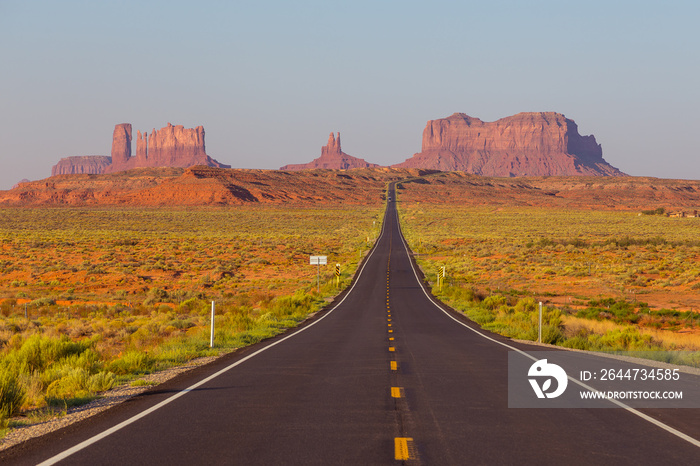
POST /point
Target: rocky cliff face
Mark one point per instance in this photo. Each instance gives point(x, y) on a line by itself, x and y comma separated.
point(332, 157)
point(171, 146)
point(121, 143)
point(84, 164)
point(526, 144)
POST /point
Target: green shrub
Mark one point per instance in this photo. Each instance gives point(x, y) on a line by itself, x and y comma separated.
point(101, 382)
point(577, 342)
point(493, 302)
point(73, 384)
point(37, 352)
point(526, 305)
point(12, 394)
point(480, 316)
point(136, 362)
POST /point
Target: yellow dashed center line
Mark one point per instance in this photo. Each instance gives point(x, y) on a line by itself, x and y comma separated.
point(391, 338)
point(394, 365)
point(402, 446)
point(392, 349)
point(396, 392)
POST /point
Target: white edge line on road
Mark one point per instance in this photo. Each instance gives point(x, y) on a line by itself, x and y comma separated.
point(86, 443)
point(647, 418)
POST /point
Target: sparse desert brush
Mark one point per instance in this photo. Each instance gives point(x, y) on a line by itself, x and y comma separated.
point(117, 292)
point(561, 256)
point(45, 369)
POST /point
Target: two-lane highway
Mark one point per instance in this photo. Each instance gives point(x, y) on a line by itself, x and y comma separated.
point(384, 376)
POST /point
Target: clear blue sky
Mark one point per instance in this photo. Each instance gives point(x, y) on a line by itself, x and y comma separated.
point(270, 80)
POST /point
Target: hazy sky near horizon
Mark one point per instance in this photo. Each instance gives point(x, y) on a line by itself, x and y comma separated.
point(270, 80)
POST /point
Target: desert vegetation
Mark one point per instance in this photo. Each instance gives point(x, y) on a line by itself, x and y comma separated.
point(92, 297)
point(610, 280)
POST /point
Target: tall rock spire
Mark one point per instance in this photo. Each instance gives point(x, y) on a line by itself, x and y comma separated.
point(332, 157)
point(333, 146)
point(121, 143)
point(141, 147)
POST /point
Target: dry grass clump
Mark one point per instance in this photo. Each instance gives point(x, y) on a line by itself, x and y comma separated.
point(670, 340)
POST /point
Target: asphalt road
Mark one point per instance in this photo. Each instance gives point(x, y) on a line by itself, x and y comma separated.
point(383, 377)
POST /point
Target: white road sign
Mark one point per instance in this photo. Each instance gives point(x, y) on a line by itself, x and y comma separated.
point(319, 260)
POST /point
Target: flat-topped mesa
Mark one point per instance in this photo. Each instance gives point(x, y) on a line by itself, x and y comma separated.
point(333, 158)
point(171, 146)
point(526, 144)
point(81, 164)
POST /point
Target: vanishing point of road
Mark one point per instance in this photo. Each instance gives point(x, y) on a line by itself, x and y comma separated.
point(385, 375)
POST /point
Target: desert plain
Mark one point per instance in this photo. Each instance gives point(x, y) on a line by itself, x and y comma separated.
point(104, 278)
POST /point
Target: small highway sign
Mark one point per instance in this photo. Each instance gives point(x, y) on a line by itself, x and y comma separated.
point(318, 260)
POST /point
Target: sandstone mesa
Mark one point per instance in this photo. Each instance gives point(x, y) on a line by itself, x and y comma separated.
point(81, 164)
point(526, 144)
point(171, 146)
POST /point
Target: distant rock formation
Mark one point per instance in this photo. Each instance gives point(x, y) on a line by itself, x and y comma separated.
point(208, 186)
point(526, 144)
point(82, 164)
point(332, 157)
point(121, 144)
point(171, 146)
point(23, 180)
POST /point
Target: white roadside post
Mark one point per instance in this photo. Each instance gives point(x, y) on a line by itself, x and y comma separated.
point(318, 261)
point(539, 333)
point(211, 338)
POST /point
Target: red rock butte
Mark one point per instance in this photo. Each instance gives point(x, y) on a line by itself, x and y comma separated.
point(171, 146)
point(332, 157)
point(81, 165)
point(526, 144)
